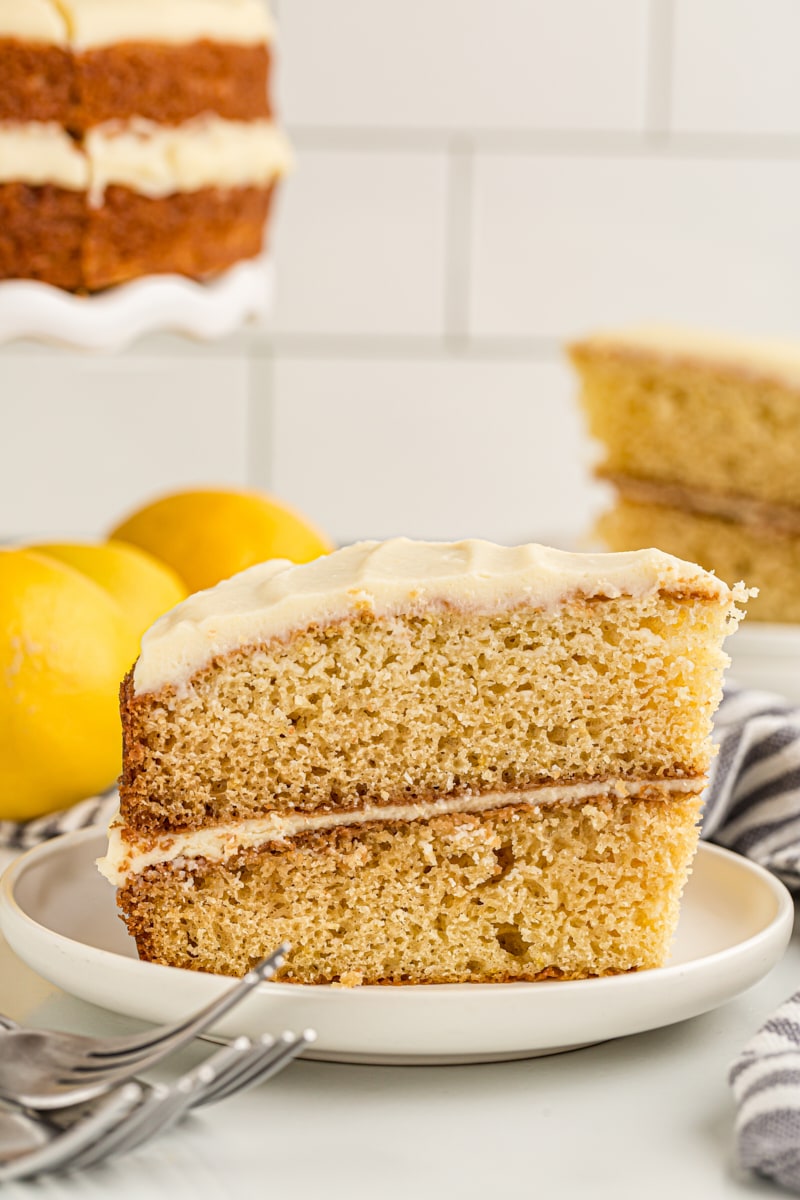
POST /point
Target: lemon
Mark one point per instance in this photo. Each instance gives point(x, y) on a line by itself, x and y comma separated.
point(209, 535)
point(65, 644)
point(142, 586)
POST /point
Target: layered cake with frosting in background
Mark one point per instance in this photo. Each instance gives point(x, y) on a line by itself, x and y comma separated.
point(421, 763)
point(701, 437)
point(136, 138)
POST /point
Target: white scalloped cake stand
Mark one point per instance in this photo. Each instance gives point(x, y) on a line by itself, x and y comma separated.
point(113, 319)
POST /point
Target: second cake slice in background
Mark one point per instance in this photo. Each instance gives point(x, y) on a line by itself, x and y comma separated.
point(701, 440)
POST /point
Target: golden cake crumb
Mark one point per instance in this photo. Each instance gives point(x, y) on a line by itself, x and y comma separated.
point(445, 793)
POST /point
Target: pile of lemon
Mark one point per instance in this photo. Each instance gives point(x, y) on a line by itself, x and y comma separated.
point(72, 616)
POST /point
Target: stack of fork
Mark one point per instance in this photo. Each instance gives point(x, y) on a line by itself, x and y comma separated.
point(69, 1101)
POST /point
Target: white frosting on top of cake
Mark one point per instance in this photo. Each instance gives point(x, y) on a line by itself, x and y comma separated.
point(276, 598)
point(218, 842)
point(770, 358)
point(32, 21)
point(102, 22)
point(157, 160)
point(39, 152)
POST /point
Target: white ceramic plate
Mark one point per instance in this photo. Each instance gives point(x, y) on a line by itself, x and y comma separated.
point(112, 319)
point(60, 917)
point(767, 657)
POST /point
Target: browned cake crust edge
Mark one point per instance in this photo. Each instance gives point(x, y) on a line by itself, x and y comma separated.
point(162, 83)
point(52, 234)
point(197, 234)
point(38, 82)
point(42, 233)
point(170, 84)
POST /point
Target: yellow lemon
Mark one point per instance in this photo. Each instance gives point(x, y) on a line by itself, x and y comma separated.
point(209, 535)
point(65, 644)
point(142, 586)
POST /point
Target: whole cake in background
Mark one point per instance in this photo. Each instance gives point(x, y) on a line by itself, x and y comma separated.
point(136, 138)
point(421, 763)
point(702, 444)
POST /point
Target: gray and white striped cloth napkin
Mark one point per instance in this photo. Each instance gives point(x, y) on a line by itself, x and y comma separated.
point(766, 1086)
point(752, 804)
point(753, 807)
point(97, 810)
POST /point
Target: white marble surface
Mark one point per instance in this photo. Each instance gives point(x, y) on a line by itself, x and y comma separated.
point(649, 1115)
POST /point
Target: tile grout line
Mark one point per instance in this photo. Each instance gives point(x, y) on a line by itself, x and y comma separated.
point(655, 139)
point(389, 347)
point(458, 241)
point(659, 58)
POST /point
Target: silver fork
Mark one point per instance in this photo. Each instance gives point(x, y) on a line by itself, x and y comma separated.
point(61, 1148)
point(164, 1106)
point(270, 1056)
point(80, 1138)
point(43, 1069)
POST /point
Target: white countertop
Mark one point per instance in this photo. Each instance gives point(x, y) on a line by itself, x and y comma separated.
point(646, 1116)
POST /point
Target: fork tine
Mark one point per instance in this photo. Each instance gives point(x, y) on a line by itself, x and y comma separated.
point(141, 1045)
point(161, 1108)
point(52, 1071)
point(116, 1136)
point(235, 1068)
point(266, 1047)
point(64, 1148)
point(68, 1089)
point(274, 1056)
point(143, 1121)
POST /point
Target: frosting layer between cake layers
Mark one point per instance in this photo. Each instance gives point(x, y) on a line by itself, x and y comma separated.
point(274, 599)
point(126, 856)
point(41, 152)
point(32, 20)
point(150, 159)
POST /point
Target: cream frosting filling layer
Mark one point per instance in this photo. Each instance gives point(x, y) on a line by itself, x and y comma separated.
point(87, 24)
point(276, 598)
point(762, 358)
point(94, 23)
point(32, 21)
point(157, 160)
point(41, 152)
point(154, 160)
point(744, 510)
point(124, 859)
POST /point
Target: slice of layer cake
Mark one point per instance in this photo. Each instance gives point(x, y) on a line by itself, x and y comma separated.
point(421, 763)
point(702, 444)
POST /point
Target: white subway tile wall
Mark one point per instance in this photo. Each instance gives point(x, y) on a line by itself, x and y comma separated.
point(736, 66)
point(464, 64)
point(360, 244)
point(564, 242)
point(439, 449)
point(476, 182)
point(84, 439)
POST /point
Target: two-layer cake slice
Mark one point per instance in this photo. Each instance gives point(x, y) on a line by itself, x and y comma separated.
point(421, 763)
point(701, 440)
